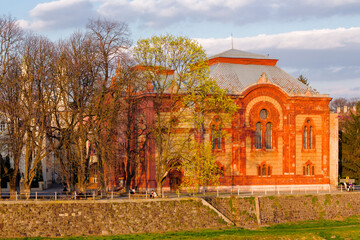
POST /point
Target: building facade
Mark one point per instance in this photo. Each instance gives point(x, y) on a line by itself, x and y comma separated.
point(282, 135)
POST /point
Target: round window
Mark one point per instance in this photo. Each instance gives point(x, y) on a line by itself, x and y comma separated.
point(263, 114)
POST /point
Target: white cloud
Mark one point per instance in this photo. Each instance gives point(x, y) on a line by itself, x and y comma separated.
point(164, 13)
point(334, 3)
point(161, 13)
point(320, 39)
point(59, 14)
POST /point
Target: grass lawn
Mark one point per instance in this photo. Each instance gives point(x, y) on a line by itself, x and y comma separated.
point(346, 229)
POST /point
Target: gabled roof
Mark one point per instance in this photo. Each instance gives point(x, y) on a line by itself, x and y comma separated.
point(235, 70)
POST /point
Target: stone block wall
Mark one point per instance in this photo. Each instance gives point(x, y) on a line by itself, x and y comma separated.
point(284, 209)
point(308, 207)
point(241, 211)
point(74, 218)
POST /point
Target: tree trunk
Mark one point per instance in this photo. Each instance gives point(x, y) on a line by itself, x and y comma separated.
point(128, 182)
point(159, 187)
point(13, 187)
point(101, 176)
point(27, 190)
point(130, 172)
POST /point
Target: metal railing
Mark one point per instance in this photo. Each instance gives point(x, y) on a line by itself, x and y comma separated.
point(253, 191)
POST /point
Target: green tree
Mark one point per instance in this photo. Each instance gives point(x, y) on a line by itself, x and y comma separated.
point(199, 166)
point(178, 71)
point(303, 79)
point(199, 162)
point(174, 66)
point(351, 145)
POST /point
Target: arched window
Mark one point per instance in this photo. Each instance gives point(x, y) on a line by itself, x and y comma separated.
point(264, 170)
point(308, 135)
point(268, 136)
point(263, 136)
point(220, 170)
point(217, 140)
point(308, 169)
point(213, 138)
point(258, 136)
point(263, 173)
point(310, 138)
point(305, 138)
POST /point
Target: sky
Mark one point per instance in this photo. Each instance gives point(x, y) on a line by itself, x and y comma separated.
point(319, 39)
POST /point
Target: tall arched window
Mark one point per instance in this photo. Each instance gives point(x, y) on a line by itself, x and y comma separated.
point(305, 138)
point(268, 136)
point(263, 135)
point(217, 140)
point(310, 138)
point(213, 137)
point(308, 135)
point(258, 136)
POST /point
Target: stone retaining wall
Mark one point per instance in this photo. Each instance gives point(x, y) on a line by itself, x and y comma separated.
point(73, 218)
point(308, 207)
point(283, 209)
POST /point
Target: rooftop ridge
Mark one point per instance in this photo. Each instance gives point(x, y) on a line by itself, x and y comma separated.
point(235, 53)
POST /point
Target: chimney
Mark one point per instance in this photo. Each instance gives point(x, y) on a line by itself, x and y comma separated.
point(338, 109)
point(345, 109)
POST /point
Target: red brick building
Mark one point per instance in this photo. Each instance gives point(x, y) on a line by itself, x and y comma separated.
point(282, 135)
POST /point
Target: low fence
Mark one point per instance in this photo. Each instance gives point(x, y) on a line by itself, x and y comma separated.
point(235, 191)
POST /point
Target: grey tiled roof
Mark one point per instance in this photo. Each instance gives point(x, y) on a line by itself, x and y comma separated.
point(236, 77)
point(234, 53)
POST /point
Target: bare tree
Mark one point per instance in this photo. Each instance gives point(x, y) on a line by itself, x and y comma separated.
point(110, 39)
point(74, 92)
point(133, 122)
point(36, 83)
point(13, 112)
point(10, 39)
point(338, 102)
